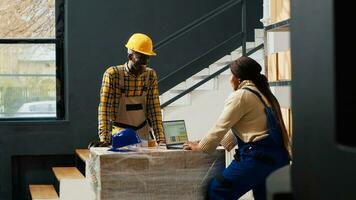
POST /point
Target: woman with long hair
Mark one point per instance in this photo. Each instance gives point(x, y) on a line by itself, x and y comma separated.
point(252, 119)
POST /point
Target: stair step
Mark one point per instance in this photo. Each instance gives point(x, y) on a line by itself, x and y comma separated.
point(203, 72)
point(43, 192)
point(180, 86)
point(68, 178)
point(83, 154)
point(185, 100)
point(212, 68)
point(210, 85)
point(67, 173)
point(216, 67)
point(259, 33)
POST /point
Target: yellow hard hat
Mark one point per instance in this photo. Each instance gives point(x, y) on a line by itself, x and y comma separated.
point(141, 43)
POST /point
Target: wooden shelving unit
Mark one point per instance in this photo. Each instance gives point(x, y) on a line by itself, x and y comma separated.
point(278, 63)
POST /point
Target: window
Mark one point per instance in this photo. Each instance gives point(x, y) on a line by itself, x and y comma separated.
point(31, 59)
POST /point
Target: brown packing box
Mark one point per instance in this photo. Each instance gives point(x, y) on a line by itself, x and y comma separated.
point(286, 118)
point(283, 7)
point(153, 173)
point(273, 11)
point(290, 124)
point(284, 65)
point(279, 10)
point(272, 67)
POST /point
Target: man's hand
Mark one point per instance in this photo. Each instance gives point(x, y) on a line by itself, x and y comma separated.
point(97, 143)
point(194, 146)
point(161, 143)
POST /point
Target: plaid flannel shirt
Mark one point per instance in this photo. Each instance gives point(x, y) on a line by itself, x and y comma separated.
point(109, 99)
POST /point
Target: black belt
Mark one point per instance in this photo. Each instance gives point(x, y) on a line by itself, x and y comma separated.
point(257, 156)
point(122, 125)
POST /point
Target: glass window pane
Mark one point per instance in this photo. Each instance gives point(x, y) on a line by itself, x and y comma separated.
point(29, 19)
point(27, 80)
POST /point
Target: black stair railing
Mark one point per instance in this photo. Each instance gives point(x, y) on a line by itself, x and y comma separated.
point(234, 37)
point(206, 79)
point(196, 23)
point(200, 62)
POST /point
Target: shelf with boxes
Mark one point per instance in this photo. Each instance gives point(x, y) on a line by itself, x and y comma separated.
point(278, 26)
point(278, 70)
point(280, 83)
point(278, 56)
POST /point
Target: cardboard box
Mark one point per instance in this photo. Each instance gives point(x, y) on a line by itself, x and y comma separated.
point(284, 65)
point(279, 10)
point(290, 124)
point(272, 67)
point(286, 115)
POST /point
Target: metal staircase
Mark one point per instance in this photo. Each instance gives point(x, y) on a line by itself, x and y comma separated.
point(207, 78)
point(197, 45)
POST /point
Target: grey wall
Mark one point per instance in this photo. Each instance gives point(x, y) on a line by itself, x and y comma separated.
point(95, 34)
point(323, 168)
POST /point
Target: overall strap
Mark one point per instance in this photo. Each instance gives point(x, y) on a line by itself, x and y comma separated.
point(240, 143)
point(121, 79)
point(146, 83)
point(257, 94)
point(273, 126)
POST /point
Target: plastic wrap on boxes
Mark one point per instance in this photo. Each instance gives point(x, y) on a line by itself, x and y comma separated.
point(152, 174)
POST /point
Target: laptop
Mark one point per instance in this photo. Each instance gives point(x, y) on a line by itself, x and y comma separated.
point(175, 134)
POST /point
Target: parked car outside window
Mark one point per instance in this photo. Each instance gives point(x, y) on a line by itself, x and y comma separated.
point(36, 109)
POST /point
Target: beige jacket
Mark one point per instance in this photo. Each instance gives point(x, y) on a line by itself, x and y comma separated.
point(244, 112)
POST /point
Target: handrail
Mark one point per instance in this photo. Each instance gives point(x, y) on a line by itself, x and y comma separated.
point(244, 27)
point(206, 79)
point(196, 23)
point(279, 26)
point(184, 66)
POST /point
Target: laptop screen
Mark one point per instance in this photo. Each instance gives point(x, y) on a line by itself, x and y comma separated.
point(175, 132)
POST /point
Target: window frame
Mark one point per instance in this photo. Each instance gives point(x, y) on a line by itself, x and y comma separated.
point(59, 46)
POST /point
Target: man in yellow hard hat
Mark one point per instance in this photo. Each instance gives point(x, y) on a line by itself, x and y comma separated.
point(129, 94)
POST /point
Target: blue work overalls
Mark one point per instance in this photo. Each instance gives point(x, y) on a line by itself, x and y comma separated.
point(253, 162)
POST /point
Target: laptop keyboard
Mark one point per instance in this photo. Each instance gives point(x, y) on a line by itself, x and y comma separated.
point(178, 146)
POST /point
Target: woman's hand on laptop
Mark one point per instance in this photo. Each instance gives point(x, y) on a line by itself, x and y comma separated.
point(194, 146)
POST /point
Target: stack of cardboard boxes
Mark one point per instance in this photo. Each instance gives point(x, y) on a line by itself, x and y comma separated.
point(279, 63)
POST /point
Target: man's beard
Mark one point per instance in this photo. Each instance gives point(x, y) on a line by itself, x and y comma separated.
point(137, 68)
